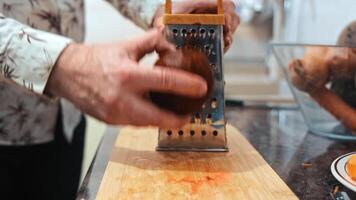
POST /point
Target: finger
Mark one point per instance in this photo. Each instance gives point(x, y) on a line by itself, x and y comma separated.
point(167, 80)
point(158, 24)
point(235, 22)
point(232, 21)
point(189, 6)
point(204, 3)
point(227, 26)
point(201, 6)
point(142, 113)
point(227, 42)
point(150, 41)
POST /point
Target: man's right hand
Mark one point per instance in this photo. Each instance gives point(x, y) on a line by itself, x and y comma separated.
point(106, 81)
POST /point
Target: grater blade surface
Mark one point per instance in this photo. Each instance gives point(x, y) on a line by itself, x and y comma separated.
point(206, 130)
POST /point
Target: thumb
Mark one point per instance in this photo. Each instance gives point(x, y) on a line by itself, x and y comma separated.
point(189, 6)
point(153, 40)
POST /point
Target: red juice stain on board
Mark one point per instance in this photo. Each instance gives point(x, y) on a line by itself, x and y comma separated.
point(213, 179)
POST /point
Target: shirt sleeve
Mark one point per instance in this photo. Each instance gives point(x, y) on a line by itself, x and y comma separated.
point(27, 55)
point(141, 12)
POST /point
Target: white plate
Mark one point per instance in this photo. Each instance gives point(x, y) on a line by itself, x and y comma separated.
point(338, 169)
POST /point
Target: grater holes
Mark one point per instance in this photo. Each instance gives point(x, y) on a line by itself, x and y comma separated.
point(189, 33)
point(215, 133)
point(180, 132)
point(208, 118)
point(193, 30)
point(184, 31)
point(175, 31)
point(203, 133)
point(212, 33)
point(214, 103)
point(208, 49)
point(169, 132)
point(192, 132)
point(202, 31)
point(212, 65)
point(197, 118)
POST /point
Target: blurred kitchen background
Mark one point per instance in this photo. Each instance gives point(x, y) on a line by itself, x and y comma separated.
point(251, 73)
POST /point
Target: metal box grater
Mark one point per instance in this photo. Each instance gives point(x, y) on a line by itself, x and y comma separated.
point(206, 131)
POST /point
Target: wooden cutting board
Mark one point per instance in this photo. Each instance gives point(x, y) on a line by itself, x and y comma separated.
point(137, 171)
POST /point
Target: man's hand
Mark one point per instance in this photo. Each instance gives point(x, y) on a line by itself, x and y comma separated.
point(341, 62)
point(232, 20)
point(106, 81)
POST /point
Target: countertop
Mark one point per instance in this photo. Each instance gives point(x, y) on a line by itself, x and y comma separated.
point(280, 135)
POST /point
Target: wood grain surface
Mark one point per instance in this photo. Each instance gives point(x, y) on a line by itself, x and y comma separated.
point(212, 19)
point(137, 171)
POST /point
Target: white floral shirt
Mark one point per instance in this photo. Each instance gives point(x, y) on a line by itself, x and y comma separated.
point(33, 33)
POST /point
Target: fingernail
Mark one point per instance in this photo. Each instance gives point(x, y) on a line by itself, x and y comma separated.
point(229, 38)
point(203, 88)
point(229, 41)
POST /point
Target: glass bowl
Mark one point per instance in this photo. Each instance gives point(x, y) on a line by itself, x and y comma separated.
point(318, 119)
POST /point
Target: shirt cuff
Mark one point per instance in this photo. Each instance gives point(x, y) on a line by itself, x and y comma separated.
point(29, 55)
point(141, 12)
point(148, 12)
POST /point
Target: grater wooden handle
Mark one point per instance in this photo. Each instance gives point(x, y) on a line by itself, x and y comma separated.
point(220, 7)
point(168, 7)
